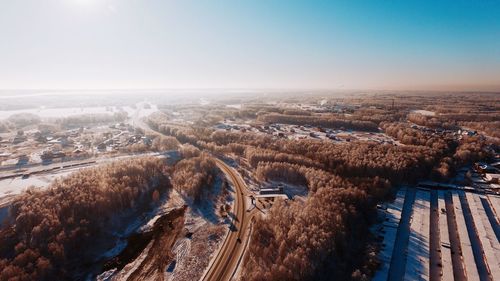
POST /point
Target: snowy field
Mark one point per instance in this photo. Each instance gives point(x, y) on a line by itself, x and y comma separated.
point(477, 227)
point(444, 239)
point(417, 264)
point(47, 112)
point(15, 186)
point(389, 230)
point(298, 132)
point(425, 112)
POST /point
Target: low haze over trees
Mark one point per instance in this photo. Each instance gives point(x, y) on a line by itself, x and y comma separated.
point(163, 143)
point(326, 236)
point(85, 119)
point(5, 126)
point(323, 236)
point(24, 119)
point(319, 120)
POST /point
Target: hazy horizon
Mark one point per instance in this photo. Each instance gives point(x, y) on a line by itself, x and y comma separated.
point(271, 45)
point(484, 89)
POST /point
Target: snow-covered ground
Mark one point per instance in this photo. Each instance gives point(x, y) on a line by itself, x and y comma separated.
point(44, 112)
point(15, 186)
point(468, 256)
point(47, 112)
point(417, 264)
point(306, 132)
point(444, 240)
point(208, 229)
point(129, 268)
point(389, 229)
point(489, 241)
point(204, 228)
point(236, 105)
point(290, 190)
point(425, 112)
point(474, 214)
point(495, 204)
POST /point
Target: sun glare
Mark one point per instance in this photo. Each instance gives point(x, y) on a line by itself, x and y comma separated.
point(93, 5)
point(85, 2)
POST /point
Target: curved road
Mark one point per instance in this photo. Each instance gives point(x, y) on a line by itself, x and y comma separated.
point(227, 260)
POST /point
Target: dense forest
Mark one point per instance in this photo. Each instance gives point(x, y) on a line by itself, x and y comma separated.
point(491, 128)
point(163, 143)
point(51, 232)
point(326, 236)
point(323, 236)
point(193, 175)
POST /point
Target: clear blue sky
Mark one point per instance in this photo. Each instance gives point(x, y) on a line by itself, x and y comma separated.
point(439, 44)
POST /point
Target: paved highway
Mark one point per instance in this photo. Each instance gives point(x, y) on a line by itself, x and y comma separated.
point(227, 260)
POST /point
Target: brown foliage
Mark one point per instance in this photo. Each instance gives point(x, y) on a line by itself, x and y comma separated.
point(490, 128)
point(194, 174)
point(189, 151)
point(320, 239)
point(55, 227)
point(319, 120)
point(256, 155)
point(162, 143)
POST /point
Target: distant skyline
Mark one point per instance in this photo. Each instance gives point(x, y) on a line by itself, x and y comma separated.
point(268, 44)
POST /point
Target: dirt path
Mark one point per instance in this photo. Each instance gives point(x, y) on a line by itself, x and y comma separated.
point(148, 254)
point(166, 231)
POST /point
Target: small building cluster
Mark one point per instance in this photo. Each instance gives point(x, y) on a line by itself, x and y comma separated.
point(288, 131)
point(485, 176)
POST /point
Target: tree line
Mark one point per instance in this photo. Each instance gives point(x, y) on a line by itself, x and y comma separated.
point(194, 175)
point(319, 120)
point(85, 119)
point(321, 238)
point(50, 233)
point(326, 236)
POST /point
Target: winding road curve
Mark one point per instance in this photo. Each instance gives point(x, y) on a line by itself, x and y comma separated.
point(226, 262)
